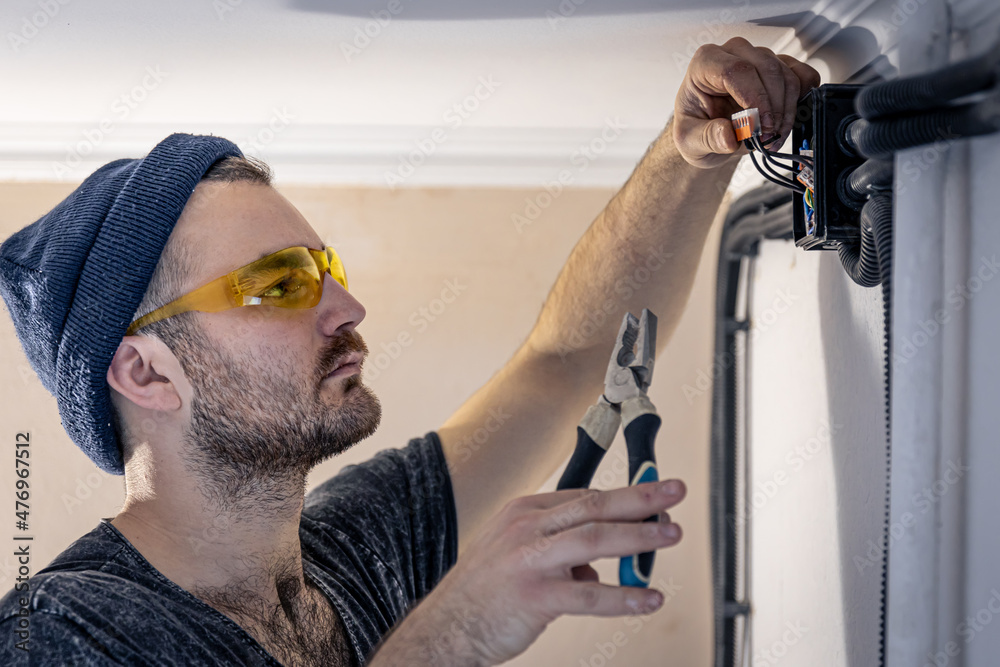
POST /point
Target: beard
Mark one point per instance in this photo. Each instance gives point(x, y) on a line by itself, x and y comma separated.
point(256, 431)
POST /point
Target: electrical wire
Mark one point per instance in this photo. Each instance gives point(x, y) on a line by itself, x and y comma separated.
point(776, 178)
point(770, 174)
point(788, 156)
point(785, 156)
point(772, 156)
point(765, 158)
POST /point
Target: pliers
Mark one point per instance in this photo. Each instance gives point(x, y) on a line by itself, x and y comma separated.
point(624, 402)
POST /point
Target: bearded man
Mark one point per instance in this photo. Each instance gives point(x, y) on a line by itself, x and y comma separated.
point(200, 339)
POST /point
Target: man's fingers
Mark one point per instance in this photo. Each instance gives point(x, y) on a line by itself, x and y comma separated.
point(807, 76)
point(583, 544)
point(716, 71)
point(633, 503)
point(574, 498)
point(771, 72)
point(595, 599)
point(791, 103)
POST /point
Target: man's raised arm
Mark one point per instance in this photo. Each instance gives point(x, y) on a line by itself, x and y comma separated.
point(641, 252)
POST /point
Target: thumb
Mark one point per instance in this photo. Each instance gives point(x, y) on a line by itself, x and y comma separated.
point(704, 142)
point(719, 137)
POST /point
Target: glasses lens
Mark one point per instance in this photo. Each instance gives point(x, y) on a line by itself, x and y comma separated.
point(336, 267)
point(298, 288)
point(287, 279)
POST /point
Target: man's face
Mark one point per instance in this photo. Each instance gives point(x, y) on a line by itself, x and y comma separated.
point(264, 406)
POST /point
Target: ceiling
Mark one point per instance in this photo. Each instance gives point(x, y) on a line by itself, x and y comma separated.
point(302, 84)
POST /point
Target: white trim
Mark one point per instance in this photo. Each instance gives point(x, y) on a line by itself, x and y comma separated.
point(339, 155)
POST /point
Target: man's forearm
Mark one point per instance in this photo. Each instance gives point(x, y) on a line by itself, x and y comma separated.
point(642, 251)
point(428, 635)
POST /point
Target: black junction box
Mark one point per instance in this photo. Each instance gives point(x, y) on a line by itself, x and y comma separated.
point(821, 119)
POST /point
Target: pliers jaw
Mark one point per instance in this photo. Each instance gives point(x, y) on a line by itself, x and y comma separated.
point(624, 403)
point(630, 370)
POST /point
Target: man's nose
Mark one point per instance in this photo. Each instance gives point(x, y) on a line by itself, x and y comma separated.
point(339, 311)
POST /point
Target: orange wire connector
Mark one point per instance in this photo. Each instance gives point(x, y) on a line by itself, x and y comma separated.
point(745, 123)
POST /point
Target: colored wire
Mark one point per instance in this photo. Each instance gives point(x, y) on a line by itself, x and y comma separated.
point(761, 146)
point(784, 182)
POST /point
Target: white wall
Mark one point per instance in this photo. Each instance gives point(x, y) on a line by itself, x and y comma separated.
point(817, 460)
point(815, 534)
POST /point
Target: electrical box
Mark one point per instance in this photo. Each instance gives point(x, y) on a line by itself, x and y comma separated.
point(821, 122)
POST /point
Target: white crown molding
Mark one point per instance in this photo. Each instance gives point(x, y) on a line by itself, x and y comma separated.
point(443, 156)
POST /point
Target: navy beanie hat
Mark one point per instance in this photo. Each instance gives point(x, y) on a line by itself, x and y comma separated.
point(73, 280)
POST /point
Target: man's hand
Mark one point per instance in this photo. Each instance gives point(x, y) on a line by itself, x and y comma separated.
point(530, 565)
point(722, 80)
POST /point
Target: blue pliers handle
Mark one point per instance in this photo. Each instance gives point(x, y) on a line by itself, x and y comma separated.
point(624, 403)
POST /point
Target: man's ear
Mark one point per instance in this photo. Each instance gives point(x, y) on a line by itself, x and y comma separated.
point(147, 373)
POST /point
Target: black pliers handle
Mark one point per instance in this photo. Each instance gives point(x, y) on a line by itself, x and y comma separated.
point(623, 403)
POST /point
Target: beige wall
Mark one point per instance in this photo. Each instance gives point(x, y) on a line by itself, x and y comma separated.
point(401, 249)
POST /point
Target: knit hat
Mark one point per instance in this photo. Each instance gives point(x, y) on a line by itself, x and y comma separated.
point(73, 279)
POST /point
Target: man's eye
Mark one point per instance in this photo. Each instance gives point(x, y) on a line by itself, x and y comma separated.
point(283, 289)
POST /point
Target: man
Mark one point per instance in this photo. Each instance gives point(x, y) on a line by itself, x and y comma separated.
point(180, 310)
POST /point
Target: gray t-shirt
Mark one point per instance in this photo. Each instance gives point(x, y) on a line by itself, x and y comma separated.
point(376, 538)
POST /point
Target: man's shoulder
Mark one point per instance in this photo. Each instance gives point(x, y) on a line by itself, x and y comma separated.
point(100, 602)
point(61, 603)
point(389, 471)
point(394, 484)
point(85, 571)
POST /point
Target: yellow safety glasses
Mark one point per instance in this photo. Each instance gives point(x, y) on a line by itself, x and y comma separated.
point(289, 278)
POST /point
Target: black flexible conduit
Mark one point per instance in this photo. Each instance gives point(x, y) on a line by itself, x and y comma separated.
point(762, 213)
point(871, 177)
point(882, 138)
point(861, 261)
point(930, 90)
